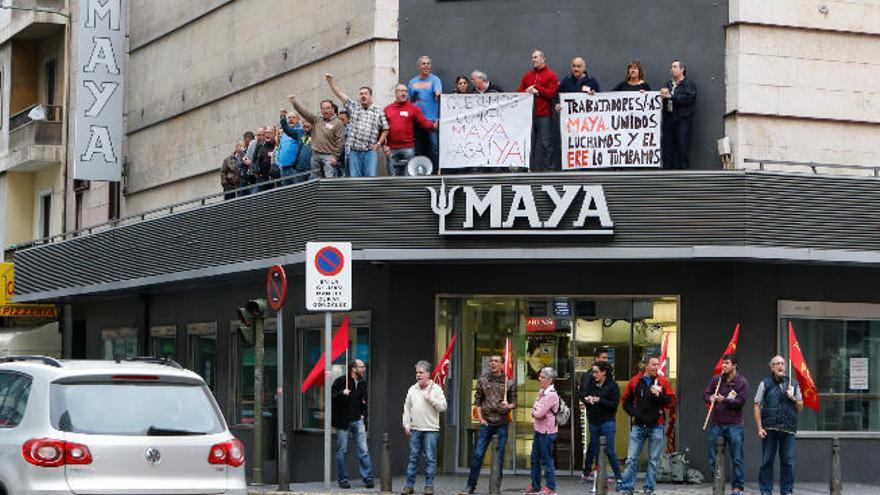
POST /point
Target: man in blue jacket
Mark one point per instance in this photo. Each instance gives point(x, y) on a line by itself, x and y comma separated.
point(578, 81)
point(288, 148)
point(777, 404)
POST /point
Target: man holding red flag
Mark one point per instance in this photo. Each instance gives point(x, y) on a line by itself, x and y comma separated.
point(728, 391)
point(349, 395)
point(777, 404)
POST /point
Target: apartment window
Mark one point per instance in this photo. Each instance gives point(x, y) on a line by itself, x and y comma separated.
point(45, 214)
point(51, 78)
point(841, 345)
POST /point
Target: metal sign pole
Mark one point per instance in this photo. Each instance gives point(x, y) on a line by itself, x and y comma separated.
point(328, 374)
point(283, 475)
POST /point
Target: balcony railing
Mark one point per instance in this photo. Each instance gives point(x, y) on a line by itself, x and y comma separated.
point(24, 131)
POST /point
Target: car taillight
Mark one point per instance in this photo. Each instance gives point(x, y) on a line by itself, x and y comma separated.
point(48, 452)
point(230, 452)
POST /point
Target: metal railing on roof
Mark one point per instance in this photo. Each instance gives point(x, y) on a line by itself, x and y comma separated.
point(164, 210)
point(814, 166)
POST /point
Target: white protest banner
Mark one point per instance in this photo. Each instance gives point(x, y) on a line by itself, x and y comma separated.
point(610, 129)
point(485, 130)
point(99, 90)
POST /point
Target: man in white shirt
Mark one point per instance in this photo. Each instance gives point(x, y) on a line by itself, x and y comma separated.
point(421, 421)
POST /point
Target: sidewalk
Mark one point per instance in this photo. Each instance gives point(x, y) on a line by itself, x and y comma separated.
point(513, 485)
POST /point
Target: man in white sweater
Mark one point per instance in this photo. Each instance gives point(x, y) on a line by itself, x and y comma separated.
point(421, 421)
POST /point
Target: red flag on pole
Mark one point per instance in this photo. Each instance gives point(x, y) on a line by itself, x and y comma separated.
point(442, 369)
point(508, 358)
point(337, 346)
point(664, 355)
point(801, 372)
point(731, 349)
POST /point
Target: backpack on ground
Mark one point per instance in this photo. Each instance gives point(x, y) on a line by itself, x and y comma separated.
point(563, 413)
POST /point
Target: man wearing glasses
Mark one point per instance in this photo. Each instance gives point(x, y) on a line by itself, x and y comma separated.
point(349, 395)
point(777, 404)
point(493, 403)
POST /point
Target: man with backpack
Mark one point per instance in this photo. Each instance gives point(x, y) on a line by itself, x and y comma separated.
point(644, 399)
point(495, 397)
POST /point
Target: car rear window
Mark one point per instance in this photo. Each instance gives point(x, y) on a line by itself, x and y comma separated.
point(134, 408)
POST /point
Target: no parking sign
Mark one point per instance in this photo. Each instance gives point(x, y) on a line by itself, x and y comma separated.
point(328, 276)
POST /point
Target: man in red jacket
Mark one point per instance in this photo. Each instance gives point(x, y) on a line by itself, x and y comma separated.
point(543, 83)
point(403, 116)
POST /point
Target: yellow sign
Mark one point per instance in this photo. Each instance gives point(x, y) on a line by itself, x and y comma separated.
point(7, 278)
point(29, 310)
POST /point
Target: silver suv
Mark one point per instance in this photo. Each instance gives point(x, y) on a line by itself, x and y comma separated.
point(122, 427)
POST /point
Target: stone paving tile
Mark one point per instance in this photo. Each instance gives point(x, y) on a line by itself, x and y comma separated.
point(513, 485)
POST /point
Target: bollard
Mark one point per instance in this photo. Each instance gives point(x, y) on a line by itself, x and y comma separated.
point(495, 468)
point(601, 482)
point(385, 474)
point(836, 487)
point(720, 467)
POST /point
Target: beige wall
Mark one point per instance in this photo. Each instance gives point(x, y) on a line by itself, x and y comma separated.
point(19, 211)
point(201, 73)
point(802, 83)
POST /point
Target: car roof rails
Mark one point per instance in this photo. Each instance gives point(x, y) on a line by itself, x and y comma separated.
point(152, 360)
point(43, 359)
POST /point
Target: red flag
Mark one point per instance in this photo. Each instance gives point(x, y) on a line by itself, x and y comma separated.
point(508, 358)
point(805, 380)
point(337, 346)
point(664, 356)
point(731, 349)
point(442, 369)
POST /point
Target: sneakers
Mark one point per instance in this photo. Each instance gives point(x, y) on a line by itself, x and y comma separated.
point(648, 492)
point(369, 483)
point(407, 490)
point(429, 490)
point(468, 491)
point(588, 478)
point(530, 490)
point(344, 484)
point(547, 491)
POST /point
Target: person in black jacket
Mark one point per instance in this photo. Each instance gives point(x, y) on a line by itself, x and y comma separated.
point(600, 354)
point(601, 398)
point(349, 402)
point(680, 103)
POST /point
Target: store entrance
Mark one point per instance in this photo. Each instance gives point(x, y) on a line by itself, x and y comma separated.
point(557, 331)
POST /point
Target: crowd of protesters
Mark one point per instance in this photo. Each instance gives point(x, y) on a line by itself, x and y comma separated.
point(334, 143)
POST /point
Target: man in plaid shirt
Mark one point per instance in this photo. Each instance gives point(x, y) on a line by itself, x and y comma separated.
point(368, 129)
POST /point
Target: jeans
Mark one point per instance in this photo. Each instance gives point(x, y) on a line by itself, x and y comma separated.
point(784, 442)
point(542, 133)
point(321, 163)
point(422, 441)
point(607, 430)
point(637, 437)
point(428, 144)
point(362, 163)
point(733, 434)
point(287, 172)
point(486, 432)
point(676, 143)
point(359, 432)
point(398, 160)
point(542, 456)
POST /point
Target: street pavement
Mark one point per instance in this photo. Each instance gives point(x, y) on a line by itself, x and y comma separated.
point(513, 485)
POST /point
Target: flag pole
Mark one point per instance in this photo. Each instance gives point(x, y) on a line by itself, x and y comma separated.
point(712, 404)
point(506, 364)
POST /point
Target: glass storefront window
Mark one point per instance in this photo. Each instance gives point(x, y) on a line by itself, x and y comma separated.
point(310, 334)
point(163, 341)
point(120, 343)
point(558, 331)
point(244, 375)
point(203, 350)
point(841, 345)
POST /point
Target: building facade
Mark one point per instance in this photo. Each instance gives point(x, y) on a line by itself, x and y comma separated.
point(678, 255)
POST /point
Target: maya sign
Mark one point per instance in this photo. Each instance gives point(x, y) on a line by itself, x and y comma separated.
point(573, 209)
point(328, 276)
point(99, 90)
point(610, 130)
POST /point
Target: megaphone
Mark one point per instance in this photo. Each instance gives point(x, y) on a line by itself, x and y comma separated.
point(419, 165)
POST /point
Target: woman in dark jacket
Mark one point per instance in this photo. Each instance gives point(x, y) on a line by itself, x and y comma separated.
point(602, 397)
point(635, 78)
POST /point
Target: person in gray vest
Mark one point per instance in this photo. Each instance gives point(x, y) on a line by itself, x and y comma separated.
point(777, 404)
